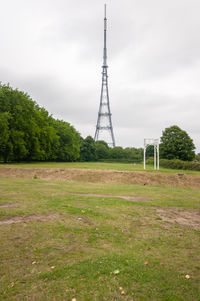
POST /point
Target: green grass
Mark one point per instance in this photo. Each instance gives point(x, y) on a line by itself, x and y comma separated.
point(97, 165)
point(75, 251)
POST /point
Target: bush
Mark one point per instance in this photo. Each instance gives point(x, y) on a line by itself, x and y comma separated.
point(177, 164)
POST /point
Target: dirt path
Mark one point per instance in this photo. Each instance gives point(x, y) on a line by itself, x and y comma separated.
point(125, 197)
point(103, 176)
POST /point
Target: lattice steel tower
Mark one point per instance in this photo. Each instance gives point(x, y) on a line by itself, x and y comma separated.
point(104, 122)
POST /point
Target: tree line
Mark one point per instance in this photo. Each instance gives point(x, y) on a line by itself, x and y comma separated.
point(100, 151)
point(29, 133)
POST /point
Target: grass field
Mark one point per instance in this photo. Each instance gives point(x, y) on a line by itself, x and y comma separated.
point(98, 241)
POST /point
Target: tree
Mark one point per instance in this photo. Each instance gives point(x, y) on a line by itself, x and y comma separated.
point(69, 141)
point(28, 132)
point(5, 145)
point(102, 149)
point(133, 154)
point(88, 149)
point(117, 152)
point(176, 144)
point(19, 107)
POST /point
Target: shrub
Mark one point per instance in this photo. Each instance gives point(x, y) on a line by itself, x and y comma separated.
point(177, 164)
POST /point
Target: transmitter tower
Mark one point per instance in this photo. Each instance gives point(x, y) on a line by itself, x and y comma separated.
point(104, 122)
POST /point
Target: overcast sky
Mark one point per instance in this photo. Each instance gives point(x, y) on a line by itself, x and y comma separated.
point(52, 49)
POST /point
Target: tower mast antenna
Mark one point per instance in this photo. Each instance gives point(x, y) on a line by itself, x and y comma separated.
point(104, 122)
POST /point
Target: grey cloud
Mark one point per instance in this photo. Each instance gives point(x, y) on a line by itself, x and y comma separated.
point(53, 51)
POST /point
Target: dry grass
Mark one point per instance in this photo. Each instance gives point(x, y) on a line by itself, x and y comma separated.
point(103, 176)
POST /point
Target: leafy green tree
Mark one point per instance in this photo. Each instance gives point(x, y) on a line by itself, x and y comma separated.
point(69, 141)
point(5, 145)
point(17, 105)
point(116, 152)
point(28, 132)
point(46, 139)
point(26, 125)
point(176, 144)
point(133, 154)
point(88, 149)
point(102, 150)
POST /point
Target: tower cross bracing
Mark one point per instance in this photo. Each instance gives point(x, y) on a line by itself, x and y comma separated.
point(104, 121)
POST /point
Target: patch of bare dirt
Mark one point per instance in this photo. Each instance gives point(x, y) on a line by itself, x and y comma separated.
point(103, 176)
point(85, 220)
point(183, 217)
point(9, 205)
point(33, 217)
point(125, 197)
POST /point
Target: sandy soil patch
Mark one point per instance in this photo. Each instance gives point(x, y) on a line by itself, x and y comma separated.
point(102, 176)
point(183, 217)
point(33, 217)
point(125, 197)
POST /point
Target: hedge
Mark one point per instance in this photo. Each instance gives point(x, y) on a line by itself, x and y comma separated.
point(177, 164)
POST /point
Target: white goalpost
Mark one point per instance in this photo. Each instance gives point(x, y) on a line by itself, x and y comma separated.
point(155, 143)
